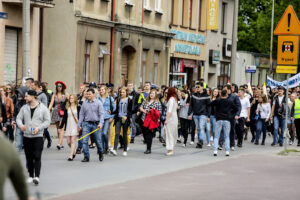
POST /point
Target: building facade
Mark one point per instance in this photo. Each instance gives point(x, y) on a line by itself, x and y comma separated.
point(117, 41)
point(188, 51)
point(255, 68)
point(219, 42)
point(11, 40)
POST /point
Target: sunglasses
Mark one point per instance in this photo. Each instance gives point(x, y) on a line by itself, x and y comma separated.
point(8, 88)
point(59, 86)
point(197, 87)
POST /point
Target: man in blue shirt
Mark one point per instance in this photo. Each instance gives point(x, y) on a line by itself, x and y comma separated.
point(91, 117)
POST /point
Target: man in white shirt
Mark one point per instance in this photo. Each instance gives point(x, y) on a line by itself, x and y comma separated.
point(244, 116)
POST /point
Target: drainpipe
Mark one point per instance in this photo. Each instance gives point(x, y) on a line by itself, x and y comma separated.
point(41, 44)
point(142, 13)
point(111, 78)
point(26, 39)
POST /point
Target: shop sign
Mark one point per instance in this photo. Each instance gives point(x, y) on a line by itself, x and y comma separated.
point(188, 49)
point(212, 14)
point(214, 57)
point(189, 37)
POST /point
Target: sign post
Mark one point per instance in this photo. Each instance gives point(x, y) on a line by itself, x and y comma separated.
point(288, 31)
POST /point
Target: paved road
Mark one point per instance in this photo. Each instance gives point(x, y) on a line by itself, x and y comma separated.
point(60, 178)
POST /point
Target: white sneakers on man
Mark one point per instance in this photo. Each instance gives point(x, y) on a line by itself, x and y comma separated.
point(114, 152)
point(215, 153)
point(29, 180)
point(36, 180)
point(125, 153)
point(227, 153)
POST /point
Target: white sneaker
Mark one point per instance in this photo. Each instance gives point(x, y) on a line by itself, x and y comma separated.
point(124, 153)
point(191, 143)
point(232, 148)
point(29, 180)
point(211, 138)
point(215, 153)
point(114, 152)
point(128, 148)
point(208, 145)
point(291, 142)
point(184, 145)
point(36, 180)
point(227, 153)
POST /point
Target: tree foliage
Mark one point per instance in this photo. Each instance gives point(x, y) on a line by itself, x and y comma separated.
point(254, 23)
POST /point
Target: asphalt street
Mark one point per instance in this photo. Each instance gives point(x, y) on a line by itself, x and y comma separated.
point(254, 171)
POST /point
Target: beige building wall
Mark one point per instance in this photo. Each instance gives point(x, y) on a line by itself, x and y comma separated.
point(59, 45)
point(15, 21)
point(94, 9)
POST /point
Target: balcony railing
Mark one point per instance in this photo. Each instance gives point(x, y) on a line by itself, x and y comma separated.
point(33, 3)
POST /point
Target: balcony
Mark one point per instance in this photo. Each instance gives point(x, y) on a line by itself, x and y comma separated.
point(33, 3)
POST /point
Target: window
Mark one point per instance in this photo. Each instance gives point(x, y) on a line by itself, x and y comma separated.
point(157, 5)
point(146, 4)
point(200, 12)
point(175, 14)
point(87, 61)
point(102, 51)
point(156, 61)
point(224, 74)
point(190, 13)
point(223, 27)
point(143, 67)
point(185, 13)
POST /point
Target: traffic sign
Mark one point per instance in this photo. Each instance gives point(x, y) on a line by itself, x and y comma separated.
point(3, 15)
point(287, 51)
point(251, 69)
point(281, 69)
point(289, 23)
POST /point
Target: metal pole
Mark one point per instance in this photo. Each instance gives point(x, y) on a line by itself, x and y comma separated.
point(26, 39)
point(286, 112)
point(271, 43)
point(234, 42)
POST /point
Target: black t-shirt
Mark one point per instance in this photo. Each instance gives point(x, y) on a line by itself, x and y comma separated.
point(32, 111)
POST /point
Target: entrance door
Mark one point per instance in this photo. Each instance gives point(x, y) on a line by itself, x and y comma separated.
point(10, 56)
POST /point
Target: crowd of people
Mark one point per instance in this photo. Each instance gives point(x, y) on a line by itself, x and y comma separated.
point(99, 116)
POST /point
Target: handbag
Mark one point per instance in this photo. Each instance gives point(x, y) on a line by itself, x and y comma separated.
point(76, 121)
point(61, 112)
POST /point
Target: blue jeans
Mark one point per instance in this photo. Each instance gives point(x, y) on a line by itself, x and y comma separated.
point(87, 128)
point(225, 126)
point(261, 126)
point(201, 123)
point(279, 122)
point(104, 133)
point(213, 124)
point(19, 139)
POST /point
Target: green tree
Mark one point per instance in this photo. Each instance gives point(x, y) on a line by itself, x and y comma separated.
point(254, 23)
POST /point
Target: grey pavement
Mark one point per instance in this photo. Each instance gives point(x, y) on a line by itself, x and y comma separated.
point(60, 177)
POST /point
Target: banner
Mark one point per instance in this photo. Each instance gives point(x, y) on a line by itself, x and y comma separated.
point(212, 14)
point(293, 82)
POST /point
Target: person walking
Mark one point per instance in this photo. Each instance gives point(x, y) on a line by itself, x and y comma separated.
point(8, 128)
point(244, 116)
point(278, 115)
point(20, 101)
point(32, 119)
point(224, 107)
point(151, 103)
point(48, 95)
point(214, 95)
point(233, 115)
point(69, 121)
point(183, 115)
point(91, 117)
point(296, 116)
point(58, 102)
point(81, 99)
point(134, 96)
point(171, 123)
point(109, 107)
point(122, 119)
point(200, 112)
point(263, 113)
point(11, 167)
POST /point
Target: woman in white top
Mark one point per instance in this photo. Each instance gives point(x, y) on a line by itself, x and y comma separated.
point(70, 119)
point(171, 123)
point(263, 111)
